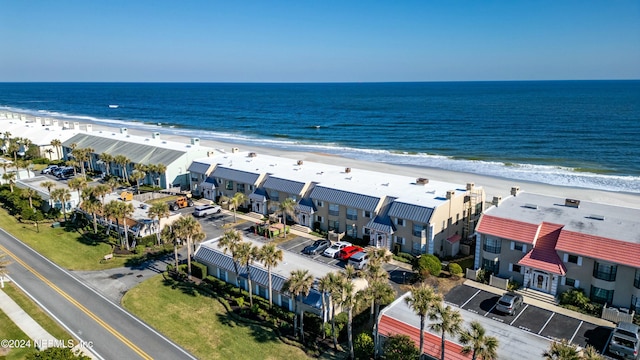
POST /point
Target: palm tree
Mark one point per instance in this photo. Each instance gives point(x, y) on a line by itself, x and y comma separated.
point(237, 199)
point(447, 321)
point(137, 175)
point(298, 284)
point(157, 211)
point(421, 300)
point(188, 229)
point(561, 350)
point(478, 343)
point(247, 254)
point(287, 207)
point(379, 292)
point(78, 183)
point(590, 353)
point(29, 193)
point(10, 178)
point(93, 205)
point(270, 256)
point(112, 183)
point(348, 300)
point(49, 152)
point(4, 263)
point(229, 242)
point(56, 143)
point(325, 285)
point(63, 196)
point(123, 162)
point(112, 209)
point(48, 185)
point(106, 159)
point(101, 190)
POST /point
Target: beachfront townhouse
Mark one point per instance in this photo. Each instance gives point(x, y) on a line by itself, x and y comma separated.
point(552, 244)
point(396, 212)
point(199, 172)
point(151, 150)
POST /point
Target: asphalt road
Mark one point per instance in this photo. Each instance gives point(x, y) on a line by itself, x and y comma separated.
point(90, 317)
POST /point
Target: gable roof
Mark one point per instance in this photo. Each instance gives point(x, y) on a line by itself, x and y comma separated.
point(507, 229)
point(345, 198)
point(284, 185)
point(544, 256)
point(597, 247)
point(411, 212)
point(200, 167)
point(243, 177)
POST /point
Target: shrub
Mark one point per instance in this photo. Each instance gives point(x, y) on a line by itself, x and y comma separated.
point(240, 301)
point(148, 241)
point(513, 285)
point(455, 269)
point(575, 297)
point(341, 323)
point(198, 270)
point(139, 249)
point(428, 265)
point(400, 347)
point(363, 346)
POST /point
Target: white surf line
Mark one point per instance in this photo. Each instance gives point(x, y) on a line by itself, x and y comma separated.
point(521, 311)
point(576, 332)
point(474, 295)
point(545, 324)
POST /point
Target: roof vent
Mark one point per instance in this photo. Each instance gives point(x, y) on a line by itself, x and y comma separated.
point(300, 162)
point(422, 181)
point(123, 130)
point(572, 203)
point(252, 154)
point(531, 206)
point(450, 194)
point(470, 186)
point(496, 200)
point(515, 190)
point(347, 170)
point(234, 150)
point(155, 135)
point(596, 217)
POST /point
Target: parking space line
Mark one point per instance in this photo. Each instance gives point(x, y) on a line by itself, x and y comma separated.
point(474, 295)
point(576, 332)
point(289, 248)
point(545, 324)
point(490, 310)
point(521, 311)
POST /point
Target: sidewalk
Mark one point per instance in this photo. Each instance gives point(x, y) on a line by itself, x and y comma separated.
point(544, 305)
point(30, 327)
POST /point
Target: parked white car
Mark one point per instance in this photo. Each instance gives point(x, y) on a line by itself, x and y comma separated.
point(332, 251)
point(205, 210)
point(359, 260)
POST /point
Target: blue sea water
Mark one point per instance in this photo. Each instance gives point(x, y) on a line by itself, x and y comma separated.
point(573, 133)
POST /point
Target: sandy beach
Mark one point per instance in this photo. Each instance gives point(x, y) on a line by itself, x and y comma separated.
point(493, 186)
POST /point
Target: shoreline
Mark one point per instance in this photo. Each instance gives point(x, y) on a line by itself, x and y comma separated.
point(493, 185)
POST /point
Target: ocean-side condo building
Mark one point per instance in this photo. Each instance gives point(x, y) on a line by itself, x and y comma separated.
point(552, 244)
point(152, 150)
point(400, 213)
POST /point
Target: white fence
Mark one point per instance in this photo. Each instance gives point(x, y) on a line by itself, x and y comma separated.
point(617, 315)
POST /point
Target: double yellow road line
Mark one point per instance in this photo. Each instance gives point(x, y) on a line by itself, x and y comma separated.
point(82, 308)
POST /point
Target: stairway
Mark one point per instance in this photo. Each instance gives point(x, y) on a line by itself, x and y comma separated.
point(300, 228)
point(530, 294)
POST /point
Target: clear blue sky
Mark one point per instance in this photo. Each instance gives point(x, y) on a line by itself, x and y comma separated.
point(319, 41)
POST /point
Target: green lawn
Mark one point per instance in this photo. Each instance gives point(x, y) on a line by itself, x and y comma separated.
point(11, 331)
point(201, 325)
point(66, 248)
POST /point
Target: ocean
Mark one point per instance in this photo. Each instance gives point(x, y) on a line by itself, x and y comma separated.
point(568, 133)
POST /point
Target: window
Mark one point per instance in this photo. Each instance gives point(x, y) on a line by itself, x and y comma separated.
point(352, 231)
point(399, 240)
point(334, 225)
point(319, 219)
point(457, 218)
point(229, 185)
point(366, 213)
point(240, 188)
point(605, 272)
point(491, 266)
point(515, 268)
point(251, 188)
point(366, 231)
point(399, 222)
point(275, 195)
point(601, 295)
point(319, 203)
point(352, 214)
point(492, 245)
point(418, 230)
point(334, 210)
point(636, 279)
point(571, 282)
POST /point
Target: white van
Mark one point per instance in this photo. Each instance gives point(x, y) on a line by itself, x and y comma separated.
point(205, 210)
point(359, 260)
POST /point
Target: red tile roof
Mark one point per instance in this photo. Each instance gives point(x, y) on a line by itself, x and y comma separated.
point(507, 229)
point(544, 256)
point(597, 247)
point(454, 239)
point(390, 326)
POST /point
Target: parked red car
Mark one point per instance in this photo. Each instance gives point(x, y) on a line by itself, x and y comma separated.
point(346, 253)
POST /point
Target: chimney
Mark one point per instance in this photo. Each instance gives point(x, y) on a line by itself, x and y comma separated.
point(23, 118)
point(195, 141)
point(155, 135)
point(515, 190)
point(38, 120)
point(54, 122)
point(76, 125)
point(234, 150)
point(450, 194)
point(422, 181)
point(124, 131)
point(347, 170)
point(89, 128)
point(470, 186)
point(496, 200)
point(47, 122)
point(572, 203)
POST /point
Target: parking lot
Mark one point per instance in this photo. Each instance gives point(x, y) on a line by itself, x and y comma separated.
point(542, 322)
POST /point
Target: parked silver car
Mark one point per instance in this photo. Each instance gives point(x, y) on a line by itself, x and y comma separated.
point(509, 303)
